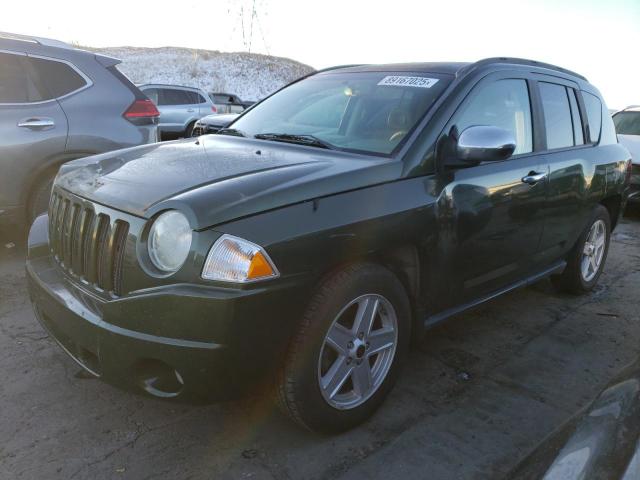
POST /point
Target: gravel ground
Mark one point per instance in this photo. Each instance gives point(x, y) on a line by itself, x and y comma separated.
point(478, 394)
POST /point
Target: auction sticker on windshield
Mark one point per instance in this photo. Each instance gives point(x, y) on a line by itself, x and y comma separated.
point(402, 81)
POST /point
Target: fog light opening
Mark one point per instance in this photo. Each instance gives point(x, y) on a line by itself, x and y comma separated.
point(158, 379)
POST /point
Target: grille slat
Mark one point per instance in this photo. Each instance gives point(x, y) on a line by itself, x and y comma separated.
point(87, 245)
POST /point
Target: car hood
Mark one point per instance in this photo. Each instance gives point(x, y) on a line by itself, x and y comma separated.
point(632, 143)
point(220, 119)
point(216, 178)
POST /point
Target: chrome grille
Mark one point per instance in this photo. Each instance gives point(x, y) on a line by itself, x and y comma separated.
point(86, 244)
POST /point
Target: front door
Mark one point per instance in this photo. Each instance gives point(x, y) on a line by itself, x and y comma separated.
point(495, 209)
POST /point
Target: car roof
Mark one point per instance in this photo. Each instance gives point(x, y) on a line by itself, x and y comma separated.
point(49, 47)
point(455, 68)
point(168, 85)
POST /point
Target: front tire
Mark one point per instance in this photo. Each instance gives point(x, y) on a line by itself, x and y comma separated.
point(346, 355)
point(587, 258)
point(40, 195)
point(188, 133)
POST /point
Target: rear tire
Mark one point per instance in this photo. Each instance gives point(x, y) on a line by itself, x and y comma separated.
point(586, 261)
point(367, 355)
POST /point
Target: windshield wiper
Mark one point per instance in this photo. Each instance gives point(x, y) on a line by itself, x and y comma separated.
point(309, 140)
point(231, 131)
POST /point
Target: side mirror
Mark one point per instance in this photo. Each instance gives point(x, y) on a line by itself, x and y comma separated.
point(483, 143)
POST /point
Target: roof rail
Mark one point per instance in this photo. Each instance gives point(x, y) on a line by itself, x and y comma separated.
point(523, 61)
point(47, 42)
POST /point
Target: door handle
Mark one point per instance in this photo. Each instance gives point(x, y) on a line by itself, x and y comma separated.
point(190, 110)
point(37, 123)
point(534, 177)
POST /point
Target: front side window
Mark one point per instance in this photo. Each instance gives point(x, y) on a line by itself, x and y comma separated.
point(594, 115)
point(627, 123)
point(557, 115)
point(504, 104)
point(360, 111)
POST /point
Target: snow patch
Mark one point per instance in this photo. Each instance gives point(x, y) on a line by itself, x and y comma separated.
point(248, 75)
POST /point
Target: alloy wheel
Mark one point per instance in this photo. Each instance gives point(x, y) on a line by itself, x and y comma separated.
point(358, 351)
point(593, 251)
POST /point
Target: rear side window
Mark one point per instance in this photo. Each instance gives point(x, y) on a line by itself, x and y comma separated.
point(557, 115)
point(627, 123)
point(504, 104)
point(13, 80)
point(594, 115)
point(578, 136)
point(200, 98)
point(58, 78)
point(16, 85)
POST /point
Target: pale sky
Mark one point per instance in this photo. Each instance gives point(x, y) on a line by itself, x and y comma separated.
point(597, 38)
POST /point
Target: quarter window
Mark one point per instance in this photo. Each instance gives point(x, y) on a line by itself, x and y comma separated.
point(594, 115)
point(557, 115)
point(504, 104)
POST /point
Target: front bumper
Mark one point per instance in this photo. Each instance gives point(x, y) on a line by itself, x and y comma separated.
point(165, 353)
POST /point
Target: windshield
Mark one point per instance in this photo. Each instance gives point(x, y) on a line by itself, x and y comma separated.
point(369, 112)
point(627, 123)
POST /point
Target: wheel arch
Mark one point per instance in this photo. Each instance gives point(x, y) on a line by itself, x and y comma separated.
point(613, 204)
point(51, 164)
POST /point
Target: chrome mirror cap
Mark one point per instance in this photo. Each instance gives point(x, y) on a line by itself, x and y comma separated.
point(484, 143)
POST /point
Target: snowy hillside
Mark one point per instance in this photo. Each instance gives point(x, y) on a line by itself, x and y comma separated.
point(250, 76)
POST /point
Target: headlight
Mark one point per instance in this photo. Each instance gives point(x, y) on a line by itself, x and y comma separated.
point(232, 259)
point(170, 241)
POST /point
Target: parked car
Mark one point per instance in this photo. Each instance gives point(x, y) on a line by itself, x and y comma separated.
point(603, 442)
point(310, 240)
point(58, 103)
point(627, 124)
point(228, 103)
point(213, 123)
point(180, 107)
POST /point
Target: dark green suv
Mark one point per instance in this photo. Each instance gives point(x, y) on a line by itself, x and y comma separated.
point(305, 245)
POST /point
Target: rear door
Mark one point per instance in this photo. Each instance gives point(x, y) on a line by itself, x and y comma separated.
point(496, 217)
point(33, 127)
point(568, 152)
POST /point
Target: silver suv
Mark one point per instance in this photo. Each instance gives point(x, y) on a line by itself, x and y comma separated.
point(180, 107)
point(58, 103)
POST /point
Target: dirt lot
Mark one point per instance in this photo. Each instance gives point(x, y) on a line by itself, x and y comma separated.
point(477, 395)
